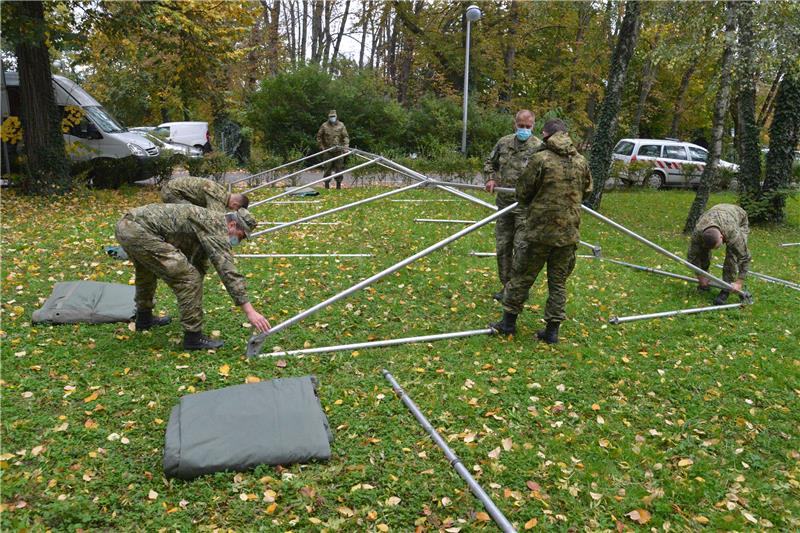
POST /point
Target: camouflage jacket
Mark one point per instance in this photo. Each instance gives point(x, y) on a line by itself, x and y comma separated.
point(199, 234)
point(732, 222)
point(197, 191)
point(507, 160)
point(332, 135)
point(551, 190)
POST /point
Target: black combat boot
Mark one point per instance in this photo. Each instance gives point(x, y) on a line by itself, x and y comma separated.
point(550, 333)
point(338, 184)
point(498, 295)
point(145, 320)
point(328, 184)
point(195, 340)
point(721, 298)
point(507, 325)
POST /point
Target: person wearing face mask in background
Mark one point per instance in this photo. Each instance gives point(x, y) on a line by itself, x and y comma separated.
point(333, 133)
point(502, 169)
point(173, 242)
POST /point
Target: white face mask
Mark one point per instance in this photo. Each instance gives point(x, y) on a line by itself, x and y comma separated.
point(233, 239)
point(332, 120)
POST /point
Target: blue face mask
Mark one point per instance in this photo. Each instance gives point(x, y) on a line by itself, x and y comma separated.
point(233, 239)
point(523, 134)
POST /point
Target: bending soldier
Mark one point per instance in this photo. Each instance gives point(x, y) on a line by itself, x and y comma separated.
point(333, 133)
point(502, 168)
point(202, 192)
point(172, 242)
point(550, 191)
point(723, 223)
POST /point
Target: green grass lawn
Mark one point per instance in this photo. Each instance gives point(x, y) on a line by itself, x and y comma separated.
point(691, 421)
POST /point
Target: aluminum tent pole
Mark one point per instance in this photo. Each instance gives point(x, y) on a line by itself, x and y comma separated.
point(256, 341)
point(275, 223)
point(622, 319)
point(337, 209)
point(496, 514)
point(397, 167)
point(779, 281)
point(262, 256)
point(380, 344)
point(298, 202)
point(663, 251)
point(645, 269)
point(324, 178)
point(445, 221)
point(293, 174)
point(483, 254)
point(784, 245)
point(290, 163)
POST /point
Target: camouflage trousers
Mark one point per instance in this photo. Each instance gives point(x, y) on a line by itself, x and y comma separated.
point(529, 258)
point(153, 258)
point(507, 227)
point(334, 166)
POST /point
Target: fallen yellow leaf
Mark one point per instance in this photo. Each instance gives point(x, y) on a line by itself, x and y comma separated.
point(224, 370)
point(530, 524)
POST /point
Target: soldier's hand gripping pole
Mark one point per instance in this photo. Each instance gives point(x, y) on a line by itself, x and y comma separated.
point(257, 341)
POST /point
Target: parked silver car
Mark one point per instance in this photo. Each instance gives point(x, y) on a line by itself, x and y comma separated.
point(167, 146)
point(675, 163)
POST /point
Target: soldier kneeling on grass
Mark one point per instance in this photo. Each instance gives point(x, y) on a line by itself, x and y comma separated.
point(202, 192)
point(172, 242)
point(550, 191)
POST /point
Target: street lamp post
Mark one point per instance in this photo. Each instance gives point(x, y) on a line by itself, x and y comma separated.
point(473, 14)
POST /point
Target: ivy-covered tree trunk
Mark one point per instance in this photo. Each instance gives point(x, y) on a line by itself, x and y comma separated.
point(784, 134)
point(718, 122)
point(48, 169)
point(605, 129)
point(748, 130)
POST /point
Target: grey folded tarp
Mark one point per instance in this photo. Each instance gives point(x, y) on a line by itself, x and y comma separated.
point(87, 301)
point(276, 422)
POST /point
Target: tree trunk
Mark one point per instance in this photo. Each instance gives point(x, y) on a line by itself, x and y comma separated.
point(326, 56)
point(784, 134)
point(680, 99)
point(304, 33)
point(584, 17)
point(603, 141)
point(48, 169)
point(648, 79)
point(316, 31)
point(769, 101)
point(718, 121)
point(510, 55)
point(747, 128)
point(341, 29)
point(366, 15)
point(391, 53)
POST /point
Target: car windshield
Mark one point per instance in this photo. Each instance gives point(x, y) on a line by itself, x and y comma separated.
point(698, 154)
point(624, 148)
point(103, 120)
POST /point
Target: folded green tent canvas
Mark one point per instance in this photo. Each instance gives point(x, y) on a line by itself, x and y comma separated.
point(93, 302)
point(277, 422)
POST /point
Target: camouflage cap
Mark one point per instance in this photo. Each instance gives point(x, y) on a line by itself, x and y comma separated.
point(244, 220)
point(332, 113)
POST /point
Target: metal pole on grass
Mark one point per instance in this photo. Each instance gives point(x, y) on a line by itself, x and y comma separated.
point(495, 512)
point(274, 223)
point(622, 319)
point(256, 341)
point(779, 281)
point(645, 269)
point(293, 174)
point(290, 163)
point(380, 344)
point(324, 178)
point(337, 209)
point(262, 256)
point(784, 245)
point(444, 221)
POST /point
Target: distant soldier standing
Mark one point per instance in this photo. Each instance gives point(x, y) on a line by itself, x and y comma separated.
point(502, 168)
point(202, 192)
point(172, 242)
point(333, 133)
point(550, 191)
point(723, 223)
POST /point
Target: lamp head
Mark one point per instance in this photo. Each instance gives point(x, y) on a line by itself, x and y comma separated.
point(473, 13)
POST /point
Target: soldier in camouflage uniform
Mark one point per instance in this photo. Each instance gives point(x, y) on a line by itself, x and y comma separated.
point(202, 192)
point(723, 223)
point(172, 242)
point(502, 169)
point(333, 133)
point(550, 190)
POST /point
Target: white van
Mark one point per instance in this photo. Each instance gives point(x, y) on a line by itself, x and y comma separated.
point(675, 163)
point(97, 135)
point(191, 133)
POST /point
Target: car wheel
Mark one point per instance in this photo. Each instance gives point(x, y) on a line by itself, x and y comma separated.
point(656, 180)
